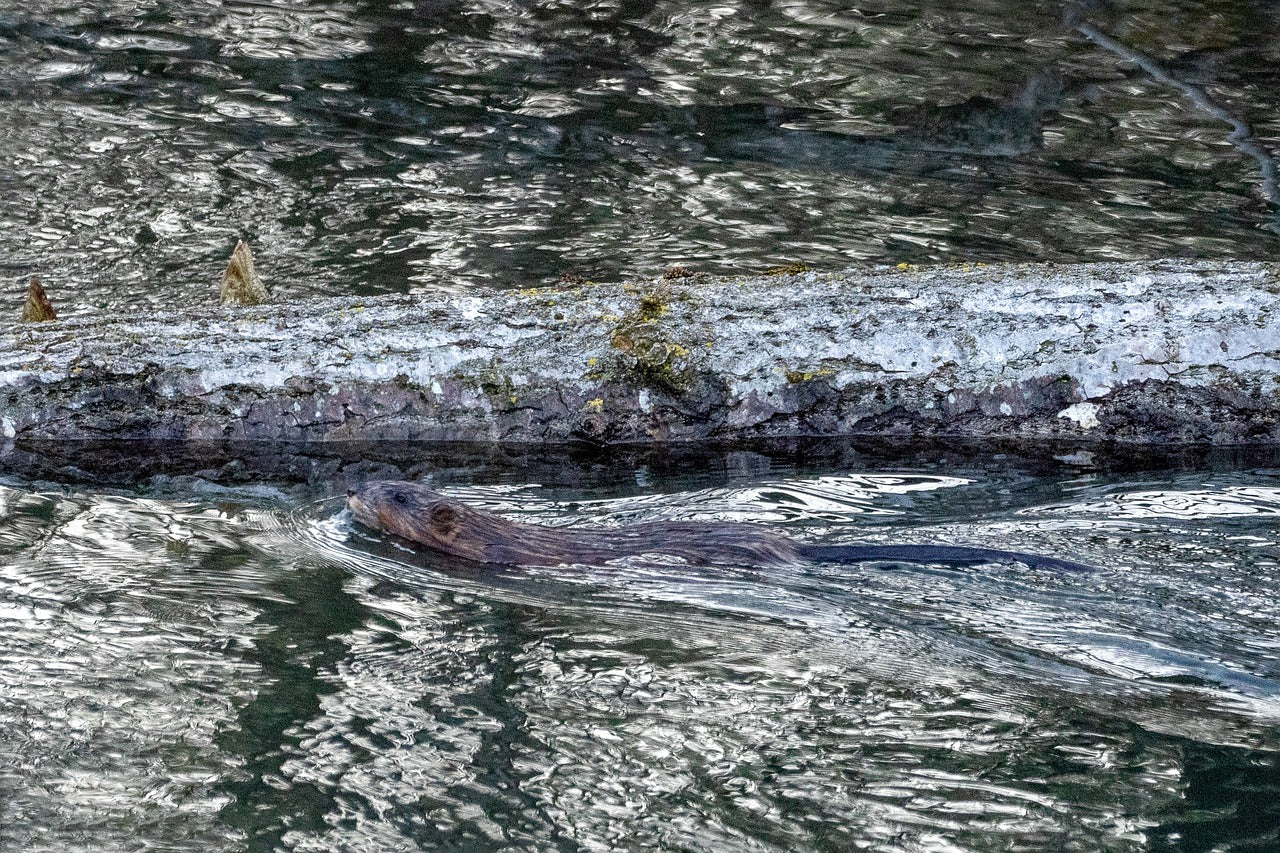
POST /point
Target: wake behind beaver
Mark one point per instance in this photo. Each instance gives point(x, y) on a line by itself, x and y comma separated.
point(419, 514)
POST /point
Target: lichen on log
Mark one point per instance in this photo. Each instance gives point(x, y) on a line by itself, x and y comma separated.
point(1171, 351)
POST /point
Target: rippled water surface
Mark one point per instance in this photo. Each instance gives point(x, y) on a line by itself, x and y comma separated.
point(206, 660)
point(367, 146)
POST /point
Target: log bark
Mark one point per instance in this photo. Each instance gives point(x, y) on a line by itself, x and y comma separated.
point(1171, 351)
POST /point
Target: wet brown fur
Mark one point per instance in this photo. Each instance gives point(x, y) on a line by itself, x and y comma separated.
point(415, 512)
point(429, 518)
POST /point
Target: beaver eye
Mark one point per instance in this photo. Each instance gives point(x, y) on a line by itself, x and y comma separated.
point(399, 498)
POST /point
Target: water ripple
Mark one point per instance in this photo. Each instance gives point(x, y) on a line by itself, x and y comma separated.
point(1229, 502)
point(201, 664)
point(604, 141)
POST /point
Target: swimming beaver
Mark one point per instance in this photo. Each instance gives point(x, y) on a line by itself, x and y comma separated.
point(429, 518)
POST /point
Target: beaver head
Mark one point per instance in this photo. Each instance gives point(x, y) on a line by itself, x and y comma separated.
point(417, 513)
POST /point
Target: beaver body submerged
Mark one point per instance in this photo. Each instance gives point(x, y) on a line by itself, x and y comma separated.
point(429, 518)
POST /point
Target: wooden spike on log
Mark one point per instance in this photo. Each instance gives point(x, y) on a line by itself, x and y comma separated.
point(37, 308)
point(240, 283)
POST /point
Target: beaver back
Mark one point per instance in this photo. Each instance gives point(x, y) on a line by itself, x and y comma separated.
point(417, 513)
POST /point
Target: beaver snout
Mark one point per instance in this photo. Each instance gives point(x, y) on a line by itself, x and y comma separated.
point(361, 510)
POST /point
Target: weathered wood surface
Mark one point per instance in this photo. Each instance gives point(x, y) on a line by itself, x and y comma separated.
point(1172, 351)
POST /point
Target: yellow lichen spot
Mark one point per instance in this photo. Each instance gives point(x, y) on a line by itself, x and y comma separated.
point(904, 266)
point(790, 269)
point(591, 362)
point(796, 376)
point(595, 405)
point(643, 344)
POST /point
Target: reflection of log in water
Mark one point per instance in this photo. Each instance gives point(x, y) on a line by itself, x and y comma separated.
point(302, 637)
point(794, 137)
point(1240, 136)
point(1168, 351)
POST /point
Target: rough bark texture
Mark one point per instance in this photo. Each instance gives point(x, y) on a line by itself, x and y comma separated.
point(1149, 352)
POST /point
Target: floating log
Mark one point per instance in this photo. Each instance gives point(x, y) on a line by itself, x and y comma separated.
point(1171, 351)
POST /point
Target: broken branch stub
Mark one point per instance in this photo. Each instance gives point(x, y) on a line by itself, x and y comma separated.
point(37, 308)
point(240, 283)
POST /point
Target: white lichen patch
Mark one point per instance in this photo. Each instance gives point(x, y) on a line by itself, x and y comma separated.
point(1085, 415)
point(471, 308)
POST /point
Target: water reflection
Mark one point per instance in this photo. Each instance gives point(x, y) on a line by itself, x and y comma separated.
point(371, 147)
point(1230, 502)
point(283, 678)
point(830, 498)
point(116, 672)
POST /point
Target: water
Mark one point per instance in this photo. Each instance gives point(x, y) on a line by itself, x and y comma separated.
point(200, 651)
point(367, 146)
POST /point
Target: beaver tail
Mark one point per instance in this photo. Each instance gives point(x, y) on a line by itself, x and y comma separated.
point(956, 555)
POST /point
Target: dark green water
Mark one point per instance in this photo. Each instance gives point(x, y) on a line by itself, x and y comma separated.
point(366, 146)
point(216, 658)
point(199, 652)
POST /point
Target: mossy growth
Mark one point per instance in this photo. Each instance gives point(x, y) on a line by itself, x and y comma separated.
point(790, 269)
point(646, 344)
point(494, 384)
point(795, 377)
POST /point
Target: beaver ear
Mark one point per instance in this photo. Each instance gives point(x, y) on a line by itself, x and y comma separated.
point(444, 522)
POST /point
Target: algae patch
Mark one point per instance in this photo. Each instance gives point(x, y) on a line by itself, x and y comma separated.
point(795, 377)
point(649, 345)
point(494, 384)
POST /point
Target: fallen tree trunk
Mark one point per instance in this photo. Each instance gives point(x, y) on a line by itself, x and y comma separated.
point(1171, 351)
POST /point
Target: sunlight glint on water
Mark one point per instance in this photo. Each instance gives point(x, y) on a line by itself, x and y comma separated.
point(381, 147)
point(214, 674)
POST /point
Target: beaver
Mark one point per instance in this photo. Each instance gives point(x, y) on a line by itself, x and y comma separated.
point(415, 512)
